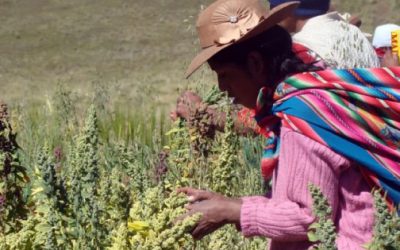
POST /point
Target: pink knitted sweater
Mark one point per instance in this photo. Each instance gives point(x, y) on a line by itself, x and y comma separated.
point(285, 217)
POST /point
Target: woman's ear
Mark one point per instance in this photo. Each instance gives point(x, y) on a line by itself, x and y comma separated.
point(255, 64)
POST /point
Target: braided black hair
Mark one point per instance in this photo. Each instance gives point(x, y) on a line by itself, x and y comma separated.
point(275, 45)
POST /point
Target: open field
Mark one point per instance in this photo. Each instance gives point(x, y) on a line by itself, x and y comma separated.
point(136, 49)
point(133, 47)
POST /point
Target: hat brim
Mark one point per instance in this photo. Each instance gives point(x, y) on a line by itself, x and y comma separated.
point(271, 18)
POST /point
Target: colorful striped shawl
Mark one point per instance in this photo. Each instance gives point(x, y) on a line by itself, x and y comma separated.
point(354, 112)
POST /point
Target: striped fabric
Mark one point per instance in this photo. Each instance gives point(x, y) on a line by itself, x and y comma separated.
point(354, 112)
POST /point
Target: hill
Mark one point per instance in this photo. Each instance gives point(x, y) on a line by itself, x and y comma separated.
point(136, 49)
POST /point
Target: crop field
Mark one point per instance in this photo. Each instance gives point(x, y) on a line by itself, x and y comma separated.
point(101, 181)
point(81, 184)
point(89, 158)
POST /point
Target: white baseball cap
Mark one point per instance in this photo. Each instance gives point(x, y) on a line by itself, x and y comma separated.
point(382, 35)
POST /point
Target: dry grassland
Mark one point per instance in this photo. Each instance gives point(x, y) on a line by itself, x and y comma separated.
point(136, 49)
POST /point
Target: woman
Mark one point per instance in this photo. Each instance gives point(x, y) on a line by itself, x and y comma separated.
point(382, 42)
point(328, 34)
point(324, 39)
point(334, 129)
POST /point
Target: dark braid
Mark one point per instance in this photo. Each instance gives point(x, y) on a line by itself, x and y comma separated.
point(295, 65)
point(275, 45)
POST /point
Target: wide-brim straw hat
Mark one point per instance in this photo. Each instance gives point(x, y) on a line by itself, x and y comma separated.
point(227, 22)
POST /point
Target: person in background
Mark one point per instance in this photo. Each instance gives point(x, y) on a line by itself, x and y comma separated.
point(324, 128)
point(320, 38)
point(382, 42)
point(327, 35)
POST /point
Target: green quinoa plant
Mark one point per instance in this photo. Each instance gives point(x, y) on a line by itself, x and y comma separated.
point(154, 222)
point(387, 225)
point(218, 170)
point(323, 230)
point(83, 186)
point(223, 174)
point(52, 223)
point(134, 161)
point(46, 227)
point(101, 96)
point(225, 238)
point(189, 158)
point(228, 238)
point(119, 240)
point(120, 192)
point(23, 239)
point(213, 96)
point(114, 197)
point(48, 183)
point(179, 160)
point(255, 243)
point(62, 105)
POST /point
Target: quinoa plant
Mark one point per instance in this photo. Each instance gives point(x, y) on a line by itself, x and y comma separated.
point(48, 183)
point(225, 238)
point(213, 96)
point(178, 153)
point(387, 225)
point(83, 186)
point(107, 192)
point(154, 222)
point(133, 160)
point(63, 111)
point(13, 177)
point(52, 222)
point(223, 174)
point(114, 198)
point(192, 141)
point(119, 240)
point(22, 239)
point(201, 131)
point(46, 226)
point(228, 238)
point(322, 231)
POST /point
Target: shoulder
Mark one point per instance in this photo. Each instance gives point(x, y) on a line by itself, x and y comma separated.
point(295, 144)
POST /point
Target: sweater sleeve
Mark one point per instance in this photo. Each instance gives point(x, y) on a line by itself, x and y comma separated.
point(288, 214)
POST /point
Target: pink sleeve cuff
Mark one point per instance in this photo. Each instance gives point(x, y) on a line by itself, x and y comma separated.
point(282, 220)
point(248, 214)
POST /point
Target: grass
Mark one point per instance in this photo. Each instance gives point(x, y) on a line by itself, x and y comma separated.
point(132, 46)
point(371, 12)
point(139, 49)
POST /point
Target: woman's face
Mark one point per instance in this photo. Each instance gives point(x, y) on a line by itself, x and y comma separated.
point(238, 82)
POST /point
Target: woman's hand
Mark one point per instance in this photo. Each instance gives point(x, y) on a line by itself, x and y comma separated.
point(185, 105)
point(217, 210)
